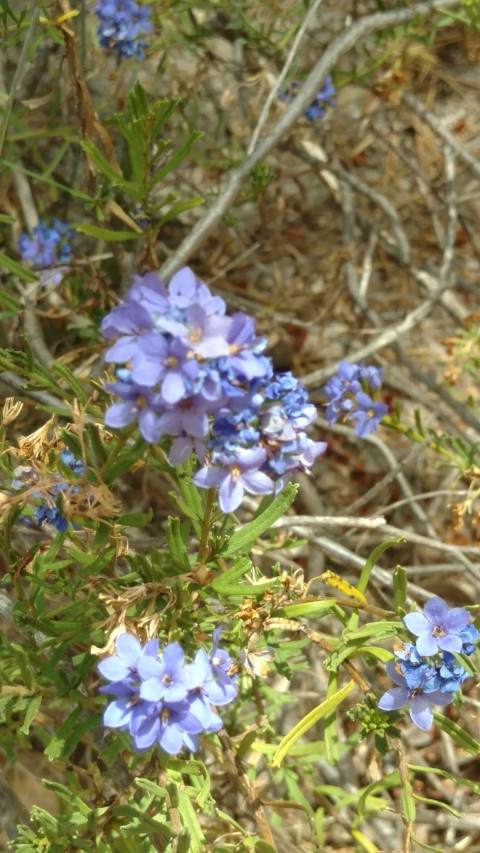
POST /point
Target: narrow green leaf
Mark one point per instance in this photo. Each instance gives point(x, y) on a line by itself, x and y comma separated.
point(308, 721)
point(376, 630)
point(31, 712)
point(190, 821)
point(175, 159)
point(408, 803)
point(64, 372)
point(135, 519)
point(399, 588)
point(246, 536)
point(14, 306)
point(459, 780)
point(308, 609)
point(179, 207)
point(55, 747)
point(176, 547)
point(426, 846)
point(330, 733)
point(367, 571)
point(234, 573)
point(459, 735)
point(150, 786)
point(106, 234)
point(438, 804)
point(390, 781)
point(75, 736)
point(106, 169)
point(27, 276)
point(45, 179)
point(262, 846)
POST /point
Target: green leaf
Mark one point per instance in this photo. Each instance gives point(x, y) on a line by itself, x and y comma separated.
point(64, 372)
point(375, 630)
point(106, 234)
point(11, 304)
point(308, 609)
point(190, 821)
point(459, 780)
point(27, 276)
point(390, 781)
point(75, 736)
point(246, 536)
point(106, 169)
point(151, 787)
point(135, 519)
point(234, 573)
point(408, 802)
point(262, 846)
point(178, 208)
point(45, 179)
point(176, 546)
point(367, 571)
point(308, 721)
point(175, 159)
point(459, 735)
point(31, 713)
point(55, 747)
point(330, 733)
point(399, 588)
point(438, 804)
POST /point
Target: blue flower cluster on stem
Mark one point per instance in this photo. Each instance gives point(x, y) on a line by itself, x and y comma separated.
point(350, 394)
point(122, 25)
point(47, 510)
point(164, 700)
point(47, 249)
point(326, 97)
point(189, 371)
point(426, 672)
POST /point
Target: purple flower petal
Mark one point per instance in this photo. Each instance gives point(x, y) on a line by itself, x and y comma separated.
point(417, 624)
point(421, 713)
point(436, 610)
point(394, 698)
point(230, 494)
point(427, 645)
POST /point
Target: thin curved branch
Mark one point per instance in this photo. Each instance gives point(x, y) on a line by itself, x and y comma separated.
point(363, 27)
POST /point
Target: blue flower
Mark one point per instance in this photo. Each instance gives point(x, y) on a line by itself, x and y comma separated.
point(469, 637)
point(187, 370)
point(165, 701)
point(348, 397)
point(451, 673)
point(325, 97)
point(419, 699)
point(367, 413)
point(234, 475)
point(122, 25)
point(47, 490)
point(438, 627)
point(47, 246)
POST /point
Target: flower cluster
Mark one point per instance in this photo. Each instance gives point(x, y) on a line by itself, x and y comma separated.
point(122, 25)
point(326, 97)
point(47, 246)
point(349, 395)
point(427, 673)
point(48, 511)
point(189, 371)
point(165, 700)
